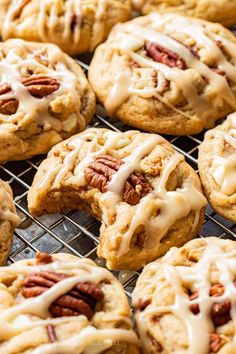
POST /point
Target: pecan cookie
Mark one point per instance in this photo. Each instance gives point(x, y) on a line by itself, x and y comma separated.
point(185, 302)
point(167, 73)
point(147, 197)
point(75, 26)
point(217, 167)
point(44, 98)
point(63, 304)
point(223, 11)
point(8, 220)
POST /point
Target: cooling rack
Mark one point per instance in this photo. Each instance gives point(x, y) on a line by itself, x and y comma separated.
point(76, 232)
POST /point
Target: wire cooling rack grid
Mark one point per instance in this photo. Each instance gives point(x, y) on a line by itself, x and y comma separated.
point(76, 232)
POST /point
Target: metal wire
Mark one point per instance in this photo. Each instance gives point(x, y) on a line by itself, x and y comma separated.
point(77, 232)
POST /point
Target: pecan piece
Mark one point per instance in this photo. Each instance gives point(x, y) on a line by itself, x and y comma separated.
point(51, 333)
point(164, 56)
point(194, 307)
point(101, 170)
point(80, 300)
point(43, 258)
point(220, 312)
point(217, 290)
point(155, 343)
point(38, 86)
point(216, 342)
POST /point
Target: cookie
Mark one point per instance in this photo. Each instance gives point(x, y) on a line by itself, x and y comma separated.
point(44, 98)
point(147, 197)
point(167, 73)
point(75, 26)
point(217, 167)
point(63, 304)
point(185, 302)
point(223, 11)
point(8, 220)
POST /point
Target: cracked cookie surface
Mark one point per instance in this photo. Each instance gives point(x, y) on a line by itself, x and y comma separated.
point(166, 73)
point(217, 167)
point(63, 304)
point(76, 26)
point(185, 302)
point(147, 197)
point(223, 11)
point(8, 220)
point(44, 98)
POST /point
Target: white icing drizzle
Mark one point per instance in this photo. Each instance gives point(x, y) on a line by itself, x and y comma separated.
point(88, 339)
point(49, 17)
point(168, 206)
point(7, 207)
point(198, 327)
point(223, 169)
point(128, 38)
point(119, 93)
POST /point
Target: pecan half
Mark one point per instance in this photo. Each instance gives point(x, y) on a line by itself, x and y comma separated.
point(80, 300)
point(101, 170)
point(216, 342)
point(134, 65)
point(154, 78)
point(164, 56)
point(38, 86)
point(219, 44)
point(220, 312)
